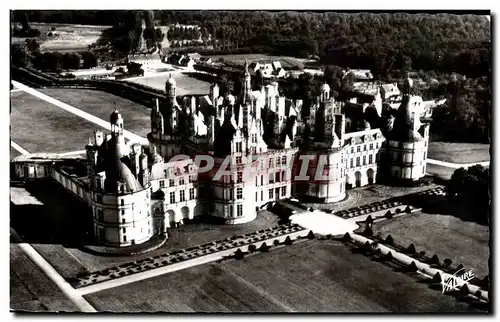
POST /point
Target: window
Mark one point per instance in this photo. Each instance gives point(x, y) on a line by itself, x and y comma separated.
point(239, 146)
point(191, 193)
point(239, 193)
point(352, 149)
point(171, 183)
point(357, 162)
point(239, 210)
point(123, 220)
point(262, 195)
point(256, 196)
point(123, 212)
point(240, 177)
point(364, 159)
point(262, 180)
point(364, 147)
point(278, 177)
point(371, 146)
point(122, 202)
point(270, 163)
point(238, 160)
point(181, 181)
point(100, 215)
point(358, 149)
point(352, 163)
point(283, 160)
point(271, 193)
point(278, 161)
point(162, 184)
point(377, 145)
point(271, 177)
point(98, 198)
point(172, 197)
point(124, 238)
point(370, 159)
point(183, 195)
point(124, 230)
point(283, 191)
point(230, 194)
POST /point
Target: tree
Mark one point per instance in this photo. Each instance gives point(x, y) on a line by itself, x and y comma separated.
point(89, 59)
point(71, 61)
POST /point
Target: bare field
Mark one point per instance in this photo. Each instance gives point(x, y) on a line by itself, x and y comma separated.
point(311, 276)
point(286, 61)
point(30, 288)
point(446, 236)
point(38, 126)
point(459, 152)
point(101, 104)
point(369, 194)
point(186, 85)
point(67, 38)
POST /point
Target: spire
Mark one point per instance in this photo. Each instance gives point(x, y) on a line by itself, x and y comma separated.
point(246, 67)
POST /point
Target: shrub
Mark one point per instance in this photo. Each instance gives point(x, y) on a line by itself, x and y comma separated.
point(408, 209)
point(447, 262)
point(369, 220)
point(346, 237)
point(239, 254)
point(411, 249)
point(434, 260)
point(276, 242)
point(388, 214)
point(252, 248)
point(368, 231)
point(389, 240)
point(310, 235)
point(398, 210)
point(264, 247)
point(288, 241)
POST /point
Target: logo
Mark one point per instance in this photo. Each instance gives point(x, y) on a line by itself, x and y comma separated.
point(456, 281)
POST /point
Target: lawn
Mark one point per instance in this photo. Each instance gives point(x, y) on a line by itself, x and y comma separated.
point(369, 194)
point(186, 85)
point(30, 289)
point(439, 171)
point(101, 104)
point(459, 152)
point(53, 219)
point(311, 276)
point(13, 153)
point(38, 126)
point(286, 61)
point(446, 236)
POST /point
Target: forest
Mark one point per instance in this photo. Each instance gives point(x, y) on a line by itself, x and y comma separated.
point(381, 42)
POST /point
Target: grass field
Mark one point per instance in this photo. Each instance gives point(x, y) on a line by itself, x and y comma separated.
point(459, 152)
point(30, 289)
point(38, 126)
point(186, 85)
point(311, 276)
point(101, 104)
point(368, 194)
point(286, 61)
point(446, 236)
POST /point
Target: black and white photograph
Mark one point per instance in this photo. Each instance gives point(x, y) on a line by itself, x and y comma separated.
point(250, 161)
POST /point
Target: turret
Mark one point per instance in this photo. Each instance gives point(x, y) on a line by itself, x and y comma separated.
point(325, 92)
point(98, 138)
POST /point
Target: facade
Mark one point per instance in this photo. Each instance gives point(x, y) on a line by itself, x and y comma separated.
point(262, 147)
